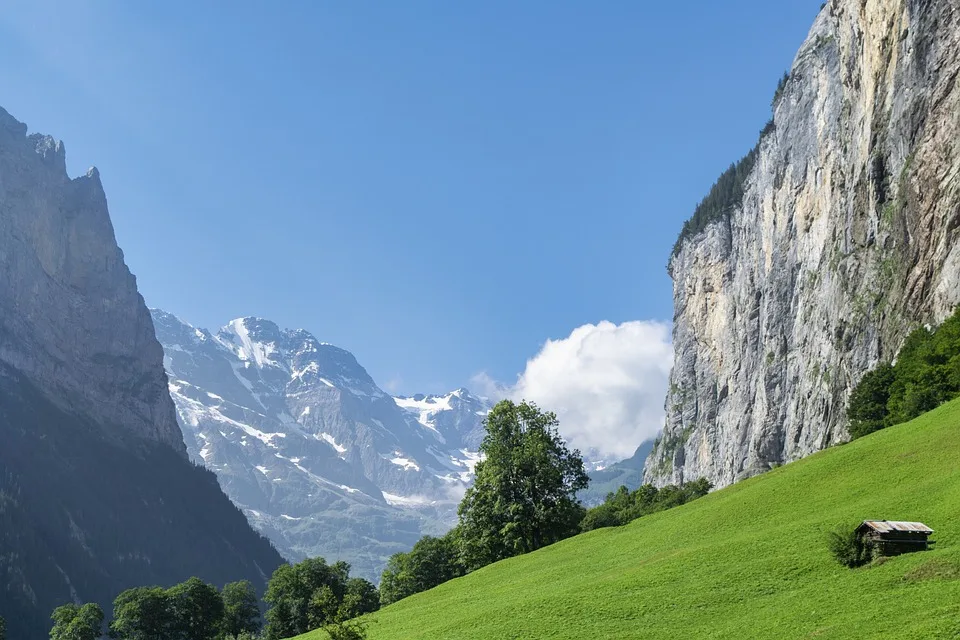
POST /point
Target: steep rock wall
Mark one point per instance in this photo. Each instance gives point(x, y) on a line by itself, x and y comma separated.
point(845, 240)
point(71, 318)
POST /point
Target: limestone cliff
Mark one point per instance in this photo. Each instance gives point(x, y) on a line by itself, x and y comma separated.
point(71, 318)
point(96, 492)
point(845, 239)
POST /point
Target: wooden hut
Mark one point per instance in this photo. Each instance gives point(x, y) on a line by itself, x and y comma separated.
point(891, 538)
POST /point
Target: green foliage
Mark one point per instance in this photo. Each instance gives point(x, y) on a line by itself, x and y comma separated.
point(745, 561)
point(725, 196)
point(868, 402)
point(625, 506)
point(849, 548)
point(431, 562)
point(73, 622)
point(347, 630)
point(240, 611)
point(524, 494)
point(141, 613)
point(313, 594)
point(926, 374)
point(3, 629)
point(727, 192)
point(191, 610)
point(195, 610)
point(362, 597)
point(781, 86)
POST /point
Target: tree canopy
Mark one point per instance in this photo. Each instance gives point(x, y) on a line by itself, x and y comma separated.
point(431, 562)
point(191, 610)
point(524, 493)
point(624, 506)
point(240, 611)
point(141, 613)
point(312, 594)
point(926, 374)
point(74, 622)
point(195, 609)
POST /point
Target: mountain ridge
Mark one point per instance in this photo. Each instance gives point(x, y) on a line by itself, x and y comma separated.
point(321, 459)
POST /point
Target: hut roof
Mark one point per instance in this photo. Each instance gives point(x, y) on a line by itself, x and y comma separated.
point(890, 526)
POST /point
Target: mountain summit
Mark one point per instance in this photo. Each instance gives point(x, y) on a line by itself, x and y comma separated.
point(321, 459)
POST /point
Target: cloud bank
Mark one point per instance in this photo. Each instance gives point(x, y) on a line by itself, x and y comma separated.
point(606, 383)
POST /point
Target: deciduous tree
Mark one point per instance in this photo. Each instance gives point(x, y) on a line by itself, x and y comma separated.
point(73, 622)
point(524, 495)
point(196, 610)
point(142, 613)
point(240, 611)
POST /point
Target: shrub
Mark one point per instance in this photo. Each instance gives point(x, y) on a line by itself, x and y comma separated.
point(347, 630)
point(849, 548)
point(624, 506)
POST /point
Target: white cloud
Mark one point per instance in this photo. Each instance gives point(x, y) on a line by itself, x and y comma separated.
point(606, 383)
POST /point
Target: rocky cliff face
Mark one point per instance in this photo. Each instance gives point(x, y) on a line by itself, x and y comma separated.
point(71, 319)
point(846, 238)
point(96, 492)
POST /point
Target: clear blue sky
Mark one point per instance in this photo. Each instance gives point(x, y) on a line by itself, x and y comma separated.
point(437, 186)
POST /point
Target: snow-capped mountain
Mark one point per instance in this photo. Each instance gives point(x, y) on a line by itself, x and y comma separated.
point(321, 460)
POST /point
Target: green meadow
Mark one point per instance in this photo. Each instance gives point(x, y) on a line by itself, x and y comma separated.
point(748, 561)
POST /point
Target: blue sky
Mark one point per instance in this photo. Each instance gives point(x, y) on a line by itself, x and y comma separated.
point(439, 187)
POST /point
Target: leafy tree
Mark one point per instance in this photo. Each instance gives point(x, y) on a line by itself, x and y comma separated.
point(73, 622)
point(624, 506)
point(524, 494)
point(309, 595)
point(142, 613)
point(431, 562)
point(323, 608)
point(240, 611)
point(868, 402)
point(195, 609)
point(3, 629)
point(361, 597)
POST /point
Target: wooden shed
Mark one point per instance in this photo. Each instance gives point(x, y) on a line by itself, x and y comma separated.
point(891, 538)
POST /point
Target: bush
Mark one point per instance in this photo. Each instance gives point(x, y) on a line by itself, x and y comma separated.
point(849, 548)
point(347, 630)
point(625, 506)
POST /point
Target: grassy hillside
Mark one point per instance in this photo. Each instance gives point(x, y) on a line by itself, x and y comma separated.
point(749, 561)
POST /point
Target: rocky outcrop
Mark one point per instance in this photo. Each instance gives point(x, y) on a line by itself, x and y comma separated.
point(96, 492)
point(71, 319)
point(845, 239)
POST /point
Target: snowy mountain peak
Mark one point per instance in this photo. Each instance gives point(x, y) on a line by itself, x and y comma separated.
point(455, 416)
point(297, 429)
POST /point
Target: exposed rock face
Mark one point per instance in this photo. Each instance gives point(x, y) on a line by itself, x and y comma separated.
point(846, 239)
point(320, 459)
point(96, 492)
point(71, 318)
